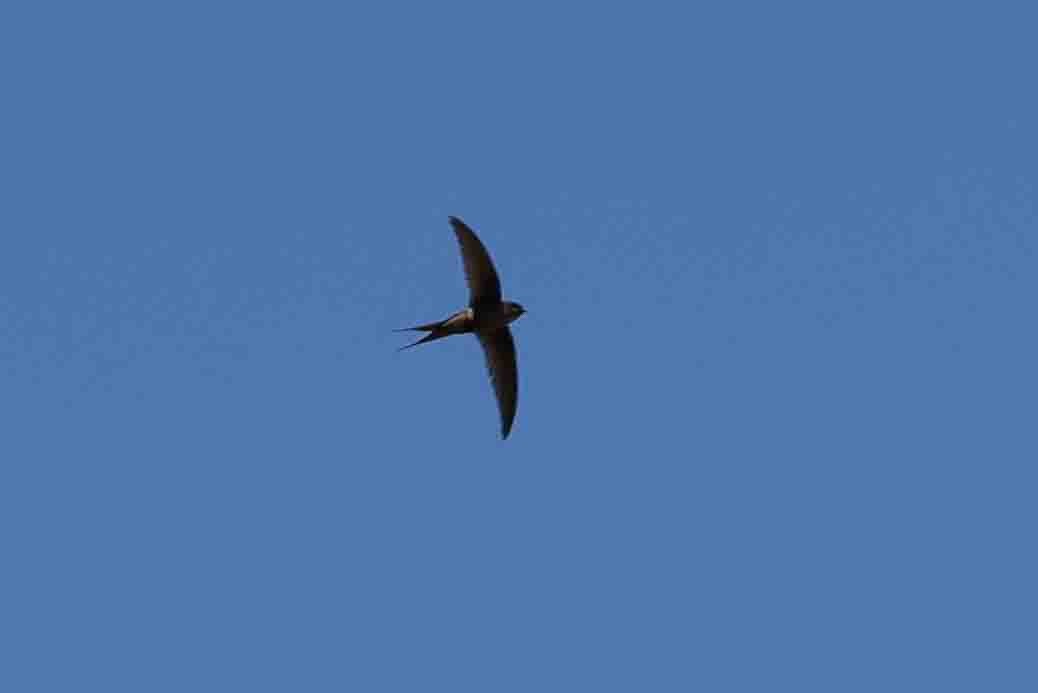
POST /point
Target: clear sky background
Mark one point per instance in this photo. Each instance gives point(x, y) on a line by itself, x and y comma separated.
point(776, 427)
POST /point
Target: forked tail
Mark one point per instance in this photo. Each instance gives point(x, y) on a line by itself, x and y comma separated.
point(433, 328)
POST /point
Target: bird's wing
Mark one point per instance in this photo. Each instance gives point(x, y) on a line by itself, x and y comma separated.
point(499, 349)
point(484, 286)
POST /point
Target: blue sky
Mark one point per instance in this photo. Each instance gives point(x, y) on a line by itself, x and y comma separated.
point(776, 420)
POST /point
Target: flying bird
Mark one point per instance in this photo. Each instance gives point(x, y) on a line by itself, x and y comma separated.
point(487, 317)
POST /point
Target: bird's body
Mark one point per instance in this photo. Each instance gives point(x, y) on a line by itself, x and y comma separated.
point(483, 319)
point(488, 317)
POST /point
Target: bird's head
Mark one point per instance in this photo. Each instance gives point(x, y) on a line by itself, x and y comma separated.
point(514, 310)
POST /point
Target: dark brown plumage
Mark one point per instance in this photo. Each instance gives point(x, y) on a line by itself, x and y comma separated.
point(484, 285)
point(488, 317)
point(499, 349)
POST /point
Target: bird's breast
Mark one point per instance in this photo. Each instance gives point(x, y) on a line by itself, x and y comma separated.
point(491, 318)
